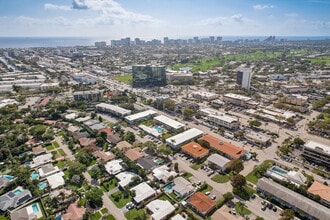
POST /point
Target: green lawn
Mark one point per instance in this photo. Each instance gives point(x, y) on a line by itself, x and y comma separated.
point(164, 197)
point(320, 60)
point(242, 210)
point(187, 175)
point(124, 78)
point(96, 216)
point(49, 147)
point(208, 188)
point(136, 214)
point(3, 217)
point(196, 166)
point(121, 201)
point(104, 210)
point(109, 217)
point(55, 144)
point(109, 185)
point(56, 154)
point(219, 178)
point(61, 164)
point(61, 152)
point(253, 177)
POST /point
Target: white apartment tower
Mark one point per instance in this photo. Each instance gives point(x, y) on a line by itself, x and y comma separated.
point(244, 76)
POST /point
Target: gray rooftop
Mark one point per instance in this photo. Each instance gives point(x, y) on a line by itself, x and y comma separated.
point(297, 200)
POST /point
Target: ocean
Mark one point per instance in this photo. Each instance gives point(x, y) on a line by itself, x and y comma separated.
point(26, 42)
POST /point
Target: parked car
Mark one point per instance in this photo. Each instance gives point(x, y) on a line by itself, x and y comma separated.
point(207, 193)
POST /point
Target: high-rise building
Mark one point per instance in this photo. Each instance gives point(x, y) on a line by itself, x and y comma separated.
point(244, 77)
point(100, 44)
point(148, 76)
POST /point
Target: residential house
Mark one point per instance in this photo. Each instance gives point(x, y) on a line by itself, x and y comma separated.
point(182, 187)
point(201, 203)
point(74, 212)
point(163, 173)
point(143, 192)
point(160, 210)
point(14, 198)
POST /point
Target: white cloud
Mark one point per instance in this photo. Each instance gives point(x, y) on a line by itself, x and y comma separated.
point(29, 21)
point(236, 18)
point(291, 15)
point(262, 7)
point(49, 6)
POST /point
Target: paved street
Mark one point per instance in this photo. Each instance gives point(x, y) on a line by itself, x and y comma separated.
point(65, 148)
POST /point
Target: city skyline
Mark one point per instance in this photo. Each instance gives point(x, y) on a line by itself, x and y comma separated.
point(156, 19)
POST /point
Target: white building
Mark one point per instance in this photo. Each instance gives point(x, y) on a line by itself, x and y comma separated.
point(239, 100)
point(45, 86)
point(160, 209)
point(220, 118)
point(220, 162)
point(125, 178)
point(182, 187)
point(143, 192)
point(56, 180)
point(184, 137)
point(42, 159)
point(169, 123)
point(113, 109)
point(163, 173)
point(317, 153)
point(114, 166)
point(145, 115)
point(204, 95)
point(244, 76)
point(150, 131)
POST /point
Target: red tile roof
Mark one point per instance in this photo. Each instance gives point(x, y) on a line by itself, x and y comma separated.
point(134, 154)
point(224, 146)
point(106, 130)
point(320, 189)
point(195, 150)
point(202, 203)
point(74, 212)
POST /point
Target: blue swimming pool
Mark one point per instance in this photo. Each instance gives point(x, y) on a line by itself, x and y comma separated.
point(168, 188)
point(8, 177)
point(42, 185)
point(158, 128)
point(28, 163)
point(35, 207)
point(17, 191)
point(279, 171)
point(35, 175)
point(58, 218)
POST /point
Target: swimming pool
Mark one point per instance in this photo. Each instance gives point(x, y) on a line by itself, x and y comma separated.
point(248, 155)
point(17, 191)
point(42, 185)
point(35, 207)
point(58, 218)
point(28, 163)
point(158, 128)
point(168, 188)
point(279, 171)
point(8, 177)
point(35, 175)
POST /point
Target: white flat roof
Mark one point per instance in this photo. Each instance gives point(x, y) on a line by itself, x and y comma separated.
point(236, 96)
point(125, 178)
point(315, 145)
point(114, 108)
point(114, 166)
point(143, 191)
point(140, 115)
point(184, 136)
point(149, 130)
point(56, 180)
point(169, 122)
point(160, 209)
point(224, 117)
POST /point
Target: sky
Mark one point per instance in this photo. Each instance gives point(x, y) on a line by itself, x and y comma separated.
point(150, 19)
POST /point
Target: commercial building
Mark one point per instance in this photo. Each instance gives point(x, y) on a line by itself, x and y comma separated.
point(294, 88)
point(180, 77)
point(218, 162)
point(289, 199)
point(169, 123)
point(160, 210)
point(204, 95)
point(218, 118)
point(180, 139)
point(239, 100)
point(296, 99)
point(143, 192)
point(317, 153)
point(148, 76)
point(195, 150)
point(243, 78)
point(227, 149)
point(113, 109)
point(201, 203)
point(100, 44)
point(87, 95)
point(257, 138)
point(141, 116)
